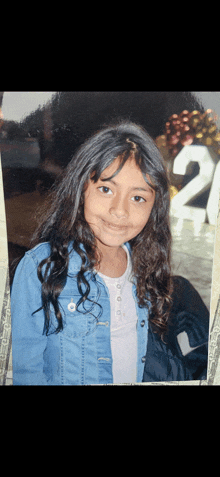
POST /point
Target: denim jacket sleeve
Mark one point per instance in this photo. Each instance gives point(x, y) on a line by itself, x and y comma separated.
point(28, 341)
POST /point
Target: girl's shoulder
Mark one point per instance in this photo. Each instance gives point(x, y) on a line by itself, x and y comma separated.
point(43, 250)
point(39, 252)
point(27, 266)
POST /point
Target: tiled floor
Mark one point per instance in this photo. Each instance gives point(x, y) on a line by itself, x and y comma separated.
point(192, 252)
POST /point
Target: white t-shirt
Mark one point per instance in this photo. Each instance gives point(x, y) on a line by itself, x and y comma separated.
point(123, 325)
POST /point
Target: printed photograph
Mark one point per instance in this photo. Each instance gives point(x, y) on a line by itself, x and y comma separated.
point(109, 238)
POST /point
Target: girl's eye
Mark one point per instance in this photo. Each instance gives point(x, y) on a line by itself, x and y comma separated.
point(105, 190)
point(138, 199)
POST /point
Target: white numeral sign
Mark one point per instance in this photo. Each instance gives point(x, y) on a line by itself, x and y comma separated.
point(209, 175)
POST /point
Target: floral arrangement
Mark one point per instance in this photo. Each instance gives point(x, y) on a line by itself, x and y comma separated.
point(190, 128)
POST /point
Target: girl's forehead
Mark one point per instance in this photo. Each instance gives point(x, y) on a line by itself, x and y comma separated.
point(112, 168)
point(129, 172)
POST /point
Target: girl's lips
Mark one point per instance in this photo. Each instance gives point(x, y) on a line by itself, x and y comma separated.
point(114, 226)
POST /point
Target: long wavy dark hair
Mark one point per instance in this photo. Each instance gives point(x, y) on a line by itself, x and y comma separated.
point(63, 224)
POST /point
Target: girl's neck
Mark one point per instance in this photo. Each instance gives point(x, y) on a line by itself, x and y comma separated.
point(113, 262)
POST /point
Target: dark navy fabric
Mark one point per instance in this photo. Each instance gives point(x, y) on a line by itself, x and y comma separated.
point(164, 360)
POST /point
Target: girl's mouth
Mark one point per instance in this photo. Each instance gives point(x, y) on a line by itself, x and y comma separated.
point(115, 227)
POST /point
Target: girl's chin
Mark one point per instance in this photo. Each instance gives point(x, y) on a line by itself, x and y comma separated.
point(108, 240)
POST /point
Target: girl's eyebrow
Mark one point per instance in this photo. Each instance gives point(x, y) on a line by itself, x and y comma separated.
point(147, 189)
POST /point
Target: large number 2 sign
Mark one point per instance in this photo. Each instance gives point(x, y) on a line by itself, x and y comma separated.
point(209, 175)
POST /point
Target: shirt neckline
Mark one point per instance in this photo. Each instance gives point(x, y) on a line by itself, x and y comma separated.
point(122, 278)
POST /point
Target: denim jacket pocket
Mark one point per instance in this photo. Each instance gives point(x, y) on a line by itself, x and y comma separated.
point(76, 323)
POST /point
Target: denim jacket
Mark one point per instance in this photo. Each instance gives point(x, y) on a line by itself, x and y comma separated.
point(81, 353)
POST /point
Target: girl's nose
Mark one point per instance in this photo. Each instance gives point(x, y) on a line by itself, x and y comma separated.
point(119, 209)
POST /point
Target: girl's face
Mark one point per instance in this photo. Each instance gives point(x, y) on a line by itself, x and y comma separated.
point(118, 209)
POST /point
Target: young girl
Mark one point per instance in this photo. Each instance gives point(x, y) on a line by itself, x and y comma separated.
point(88, 297)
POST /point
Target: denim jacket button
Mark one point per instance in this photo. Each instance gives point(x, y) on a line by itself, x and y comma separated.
point(143, 323)
point(71, 306)
point(143, 359)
